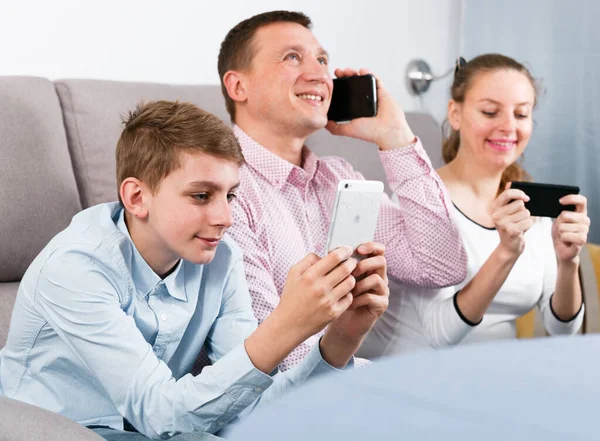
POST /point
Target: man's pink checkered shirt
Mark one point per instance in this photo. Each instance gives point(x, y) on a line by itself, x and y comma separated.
point(282, 213)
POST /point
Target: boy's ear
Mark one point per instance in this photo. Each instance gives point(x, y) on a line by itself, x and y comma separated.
point(236, 85)
point(132, 193)
point(454, 114)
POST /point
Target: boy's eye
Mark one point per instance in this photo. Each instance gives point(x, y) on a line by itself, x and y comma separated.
point(231, 196)
point(200, 196)
point(522, 115)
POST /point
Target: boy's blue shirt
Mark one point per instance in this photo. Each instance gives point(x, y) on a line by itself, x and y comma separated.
point(97, 336)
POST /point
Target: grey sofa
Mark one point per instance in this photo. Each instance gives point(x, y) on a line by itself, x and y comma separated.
point(57, 142)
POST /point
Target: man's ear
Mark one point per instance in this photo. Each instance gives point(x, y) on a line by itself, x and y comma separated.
point(454, 114)
point(132, 192)
point(235, 83)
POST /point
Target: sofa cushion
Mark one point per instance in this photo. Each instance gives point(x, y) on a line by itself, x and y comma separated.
point(24, 422)
point(38, 194)
point(93, 110)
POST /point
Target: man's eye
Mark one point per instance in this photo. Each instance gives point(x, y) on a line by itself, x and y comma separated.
point(292, 56)
point(200, 196)
point(231, 197)
point(324, 61)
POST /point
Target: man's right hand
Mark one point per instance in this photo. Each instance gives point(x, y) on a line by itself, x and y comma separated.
point(317, 291)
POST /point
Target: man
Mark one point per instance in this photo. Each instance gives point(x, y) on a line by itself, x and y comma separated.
point(111, 315)
point(277, 87)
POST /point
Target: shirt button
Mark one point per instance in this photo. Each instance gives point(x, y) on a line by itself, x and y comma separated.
point(258, 390)
point(163, 316)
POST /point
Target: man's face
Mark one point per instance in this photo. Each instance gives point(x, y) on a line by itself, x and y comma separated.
point(288, 83)
point(189, 212)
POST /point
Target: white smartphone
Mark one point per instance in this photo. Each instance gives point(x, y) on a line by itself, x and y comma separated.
point(355, 213)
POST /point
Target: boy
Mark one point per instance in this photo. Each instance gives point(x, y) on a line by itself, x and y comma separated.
point(111, 315)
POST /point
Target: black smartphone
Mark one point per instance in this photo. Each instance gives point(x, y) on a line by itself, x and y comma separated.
point(353, 97)
point(543, 198)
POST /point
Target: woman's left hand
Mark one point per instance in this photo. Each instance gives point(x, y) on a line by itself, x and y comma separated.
point(570, 229)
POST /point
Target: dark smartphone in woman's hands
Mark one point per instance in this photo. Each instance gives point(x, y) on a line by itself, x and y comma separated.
point(543, 198)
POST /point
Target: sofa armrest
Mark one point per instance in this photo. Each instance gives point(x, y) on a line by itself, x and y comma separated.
point(24, 422)
point(589, 273)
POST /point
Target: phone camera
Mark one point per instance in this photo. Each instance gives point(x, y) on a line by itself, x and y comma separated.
point(346, 186)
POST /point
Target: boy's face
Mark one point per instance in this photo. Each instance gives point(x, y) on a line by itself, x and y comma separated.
point(189, 212)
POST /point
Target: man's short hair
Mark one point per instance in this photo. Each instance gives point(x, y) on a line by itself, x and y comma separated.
point(238, 50)
point(156, 133)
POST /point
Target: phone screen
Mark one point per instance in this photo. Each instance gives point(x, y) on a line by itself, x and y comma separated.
point(353, 97)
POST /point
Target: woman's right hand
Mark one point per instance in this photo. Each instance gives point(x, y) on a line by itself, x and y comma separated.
point(512, 220)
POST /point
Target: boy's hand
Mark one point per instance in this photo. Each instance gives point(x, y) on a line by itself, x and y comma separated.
point(317, 291)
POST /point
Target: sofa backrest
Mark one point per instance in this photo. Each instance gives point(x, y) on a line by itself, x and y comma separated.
point(92, 112)
point(38, 193)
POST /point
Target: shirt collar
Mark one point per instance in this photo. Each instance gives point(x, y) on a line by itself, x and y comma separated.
point(145, 279)
point(274, 169)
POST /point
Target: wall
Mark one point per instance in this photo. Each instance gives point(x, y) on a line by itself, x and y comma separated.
point(178, 41)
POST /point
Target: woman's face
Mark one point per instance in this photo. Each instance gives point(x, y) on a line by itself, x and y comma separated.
point(495, 119)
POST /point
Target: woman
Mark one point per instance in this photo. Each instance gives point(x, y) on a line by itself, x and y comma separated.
point(515, 261)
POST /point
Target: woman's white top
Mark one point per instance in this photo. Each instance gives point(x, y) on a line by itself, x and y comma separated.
point(429, 318)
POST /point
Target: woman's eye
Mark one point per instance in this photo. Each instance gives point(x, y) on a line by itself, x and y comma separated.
point(489, 114)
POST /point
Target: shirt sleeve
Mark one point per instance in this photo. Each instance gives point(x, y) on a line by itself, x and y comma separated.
point(311, 366)
point(423, 246)
point(80, 295)
point(552, 323)
point(248, 388)
point(440, 318)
